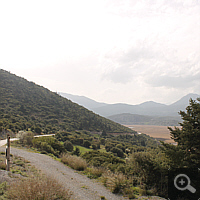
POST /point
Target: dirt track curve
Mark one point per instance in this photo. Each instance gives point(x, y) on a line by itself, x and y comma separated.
point(82, 187)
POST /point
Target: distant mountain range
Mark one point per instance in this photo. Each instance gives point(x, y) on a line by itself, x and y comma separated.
point(149, 112)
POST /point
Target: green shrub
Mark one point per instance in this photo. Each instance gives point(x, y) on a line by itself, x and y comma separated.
point(102, 159)
point(3, 187)
point(76, 152)
point(86, 144)
point(25, 138)
point(118, 151)
point(49, 145)
point(68, 146)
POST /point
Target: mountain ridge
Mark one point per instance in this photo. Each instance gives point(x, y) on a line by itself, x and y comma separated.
point(149, 108)
point(25, 105)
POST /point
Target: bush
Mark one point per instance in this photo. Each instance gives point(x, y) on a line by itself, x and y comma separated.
point(117, 182)
point(25, 138)
point(3, 187)
point(102, 159)
point(118, 151)
point(86, 144)
point(38, 130)
point(94, 147)
point(37, 188)
point(68, 146)
point(2, 165)
point(95, 172)
point(76, 152)
point(102, 141)
point(46, 147)
point(49, 144)
point(74, 162)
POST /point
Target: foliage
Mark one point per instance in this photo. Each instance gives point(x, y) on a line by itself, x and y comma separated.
point(187, 151)
point(3, 187)
point(86, 144)
point(25, 138)
point(94, 172)
point(138, 140)
point(76, 152)
point(102, 159)
point(117, 182)
point(27, 106)
point(148, 170)
point(68, 146)
point(48, 145)
point(118, 152)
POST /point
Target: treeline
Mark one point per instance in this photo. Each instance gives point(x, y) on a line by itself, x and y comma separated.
point(27, 106)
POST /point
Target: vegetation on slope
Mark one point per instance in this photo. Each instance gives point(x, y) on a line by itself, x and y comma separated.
point(130, 119)
point(25, 105)
point(131, 164)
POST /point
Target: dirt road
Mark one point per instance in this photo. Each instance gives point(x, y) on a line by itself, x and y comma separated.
point(82, 187)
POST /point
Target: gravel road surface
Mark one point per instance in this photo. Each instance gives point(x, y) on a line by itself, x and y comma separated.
point(82, 187)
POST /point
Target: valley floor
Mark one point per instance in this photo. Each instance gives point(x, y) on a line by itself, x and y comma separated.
point(158, 132)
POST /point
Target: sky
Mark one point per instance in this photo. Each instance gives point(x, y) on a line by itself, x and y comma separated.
point(112, 51)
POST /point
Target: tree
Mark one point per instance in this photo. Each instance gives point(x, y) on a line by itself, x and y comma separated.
point(187, 151)
point(94, 147)
point(68, 146)
point(102, 141)
point(118, 151)
point(38, 130)
point(76, 152)
point(104, 133)
point(86, 144)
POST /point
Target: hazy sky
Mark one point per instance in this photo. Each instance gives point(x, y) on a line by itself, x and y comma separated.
point(127, 51)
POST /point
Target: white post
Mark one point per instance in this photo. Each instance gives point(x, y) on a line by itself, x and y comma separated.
point(8, 153)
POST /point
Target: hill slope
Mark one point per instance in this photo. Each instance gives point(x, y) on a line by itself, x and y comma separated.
point(25, 105)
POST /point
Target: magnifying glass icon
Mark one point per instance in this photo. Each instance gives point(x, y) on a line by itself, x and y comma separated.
point(182, 182)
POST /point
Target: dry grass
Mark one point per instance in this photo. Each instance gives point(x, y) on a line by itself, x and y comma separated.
point(25, 182)
point(2, 165)
point(158, 132)
point(94, 172)
point(74, 162)
point(116, 182)
point(37, 188)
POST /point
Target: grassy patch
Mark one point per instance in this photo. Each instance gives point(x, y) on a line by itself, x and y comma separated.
point(30, 184)
point(74, 162)
point(82, 149)
point(2, 165)
point(116, 182)
point(94, 172)
point(18, 165)
point(38, 187)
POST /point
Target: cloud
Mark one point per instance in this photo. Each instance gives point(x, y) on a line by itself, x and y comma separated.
point(170, 81)
point(119, 75)
point(150, 47)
